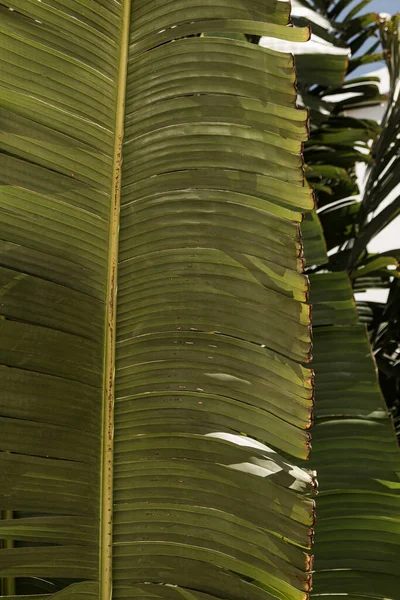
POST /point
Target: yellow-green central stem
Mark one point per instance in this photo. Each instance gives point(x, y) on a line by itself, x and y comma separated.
point(106, 509)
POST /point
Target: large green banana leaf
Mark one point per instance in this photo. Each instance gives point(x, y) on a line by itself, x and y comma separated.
point(154, 323)
point(357, 533)
point(354, 449)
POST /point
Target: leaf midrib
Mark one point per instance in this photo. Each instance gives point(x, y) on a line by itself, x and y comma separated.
point(106, 490)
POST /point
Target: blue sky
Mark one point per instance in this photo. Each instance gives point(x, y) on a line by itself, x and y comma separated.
point(389, 6)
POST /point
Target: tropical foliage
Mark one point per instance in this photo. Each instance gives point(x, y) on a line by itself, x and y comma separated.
point(148, 437)
point(345, 221)
point(155, 339)
point(357, 528)
point(381, 204)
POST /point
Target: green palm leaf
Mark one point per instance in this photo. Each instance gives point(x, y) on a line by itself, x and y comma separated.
point(146, 435)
